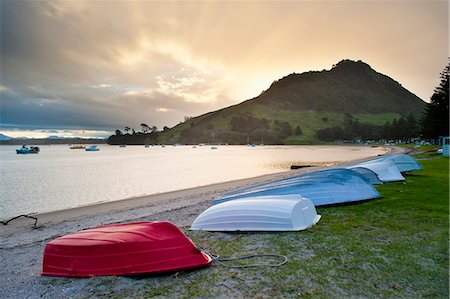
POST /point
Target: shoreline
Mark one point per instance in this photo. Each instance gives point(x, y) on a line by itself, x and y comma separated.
point(180, 207)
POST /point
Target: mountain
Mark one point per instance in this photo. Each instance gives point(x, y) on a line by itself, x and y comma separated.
point(297, 106)
point(4, 137)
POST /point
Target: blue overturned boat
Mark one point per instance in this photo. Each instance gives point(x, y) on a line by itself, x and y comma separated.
point(27, 150)
point(326, 187)
point(385, 169)
point(390, 168)
point(368, 174)
point(405, 163)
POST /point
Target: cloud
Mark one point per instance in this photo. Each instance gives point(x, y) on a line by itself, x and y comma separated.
point(103, 65)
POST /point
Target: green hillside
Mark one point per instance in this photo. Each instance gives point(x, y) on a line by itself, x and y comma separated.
point(295, 107)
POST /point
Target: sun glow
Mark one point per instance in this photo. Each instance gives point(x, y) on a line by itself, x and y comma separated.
point(45, 133)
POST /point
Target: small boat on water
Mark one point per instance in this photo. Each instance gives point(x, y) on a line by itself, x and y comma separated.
point(77, 147)
point(92, 148)
point(260, 213)
point(325, 187)
point(122, 249)
point(28, 150)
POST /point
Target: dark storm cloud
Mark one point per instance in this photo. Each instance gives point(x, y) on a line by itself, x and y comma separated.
point(61, 69)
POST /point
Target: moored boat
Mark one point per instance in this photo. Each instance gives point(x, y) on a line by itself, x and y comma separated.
point(122, 249)
point(325, 187)
point(28, 150)
point(77, 147)
point(92, 148)
point(261, 213)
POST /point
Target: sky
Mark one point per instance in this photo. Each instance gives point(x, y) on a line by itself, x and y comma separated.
point(87, 68)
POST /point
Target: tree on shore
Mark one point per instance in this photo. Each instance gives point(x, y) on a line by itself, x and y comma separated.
point(145, 128)
point(435, 119)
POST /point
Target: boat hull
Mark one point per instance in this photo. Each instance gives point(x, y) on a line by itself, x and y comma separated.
point(25, 152)
point(267, 213)
point(122, 249)
point(92, 149)
point(28, 150)
point(327, 187)
point(404, 163)
point(385, 170)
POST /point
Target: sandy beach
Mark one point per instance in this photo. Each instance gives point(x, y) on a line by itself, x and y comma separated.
point(22, 246)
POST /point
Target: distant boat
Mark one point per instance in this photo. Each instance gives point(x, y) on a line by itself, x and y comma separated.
point(77, 147)
point(260, 213)
point(122, 249)
point(123, 145)
point(28, 150)
point(146, 145)
point(92, 148)
point(325, 187)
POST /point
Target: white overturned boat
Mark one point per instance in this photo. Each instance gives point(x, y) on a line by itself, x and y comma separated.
point(385, 169)
point(326, 187)
point(266, 213)
point(405, 163)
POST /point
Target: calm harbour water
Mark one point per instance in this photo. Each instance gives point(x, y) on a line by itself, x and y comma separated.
point(59, 178)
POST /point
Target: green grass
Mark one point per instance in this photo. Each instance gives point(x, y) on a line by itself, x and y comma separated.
point(393, 247)
point(308, 120)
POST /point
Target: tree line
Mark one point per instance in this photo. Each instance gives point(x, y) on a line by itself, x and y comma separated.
point(433, 124)
point(242, 128)
point(148, 135)
point(403, 128)
point(435, 119)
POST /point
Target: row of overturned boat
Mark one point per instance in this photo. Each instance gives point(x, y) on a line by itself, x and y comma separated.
point(343, 185)
point(283, 205)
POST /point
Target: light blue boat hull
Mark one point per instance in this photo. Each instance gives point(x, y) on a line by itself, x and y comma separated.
point(404, 163)
point(92, 149)
point(368, 174)
point(327, 187)
point(24, 152)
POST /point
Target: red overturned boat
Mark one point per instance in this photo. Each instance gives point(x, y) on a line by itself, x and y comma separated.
point(122, 249)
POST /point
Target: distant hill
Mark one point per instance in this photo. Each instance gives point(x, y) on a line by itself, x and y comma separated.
point(4, 137)
point(45, 141)
point(297, 106)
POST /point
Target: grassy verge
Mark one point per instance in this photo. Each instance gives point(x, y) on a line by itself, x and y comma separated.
point(395, 247)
